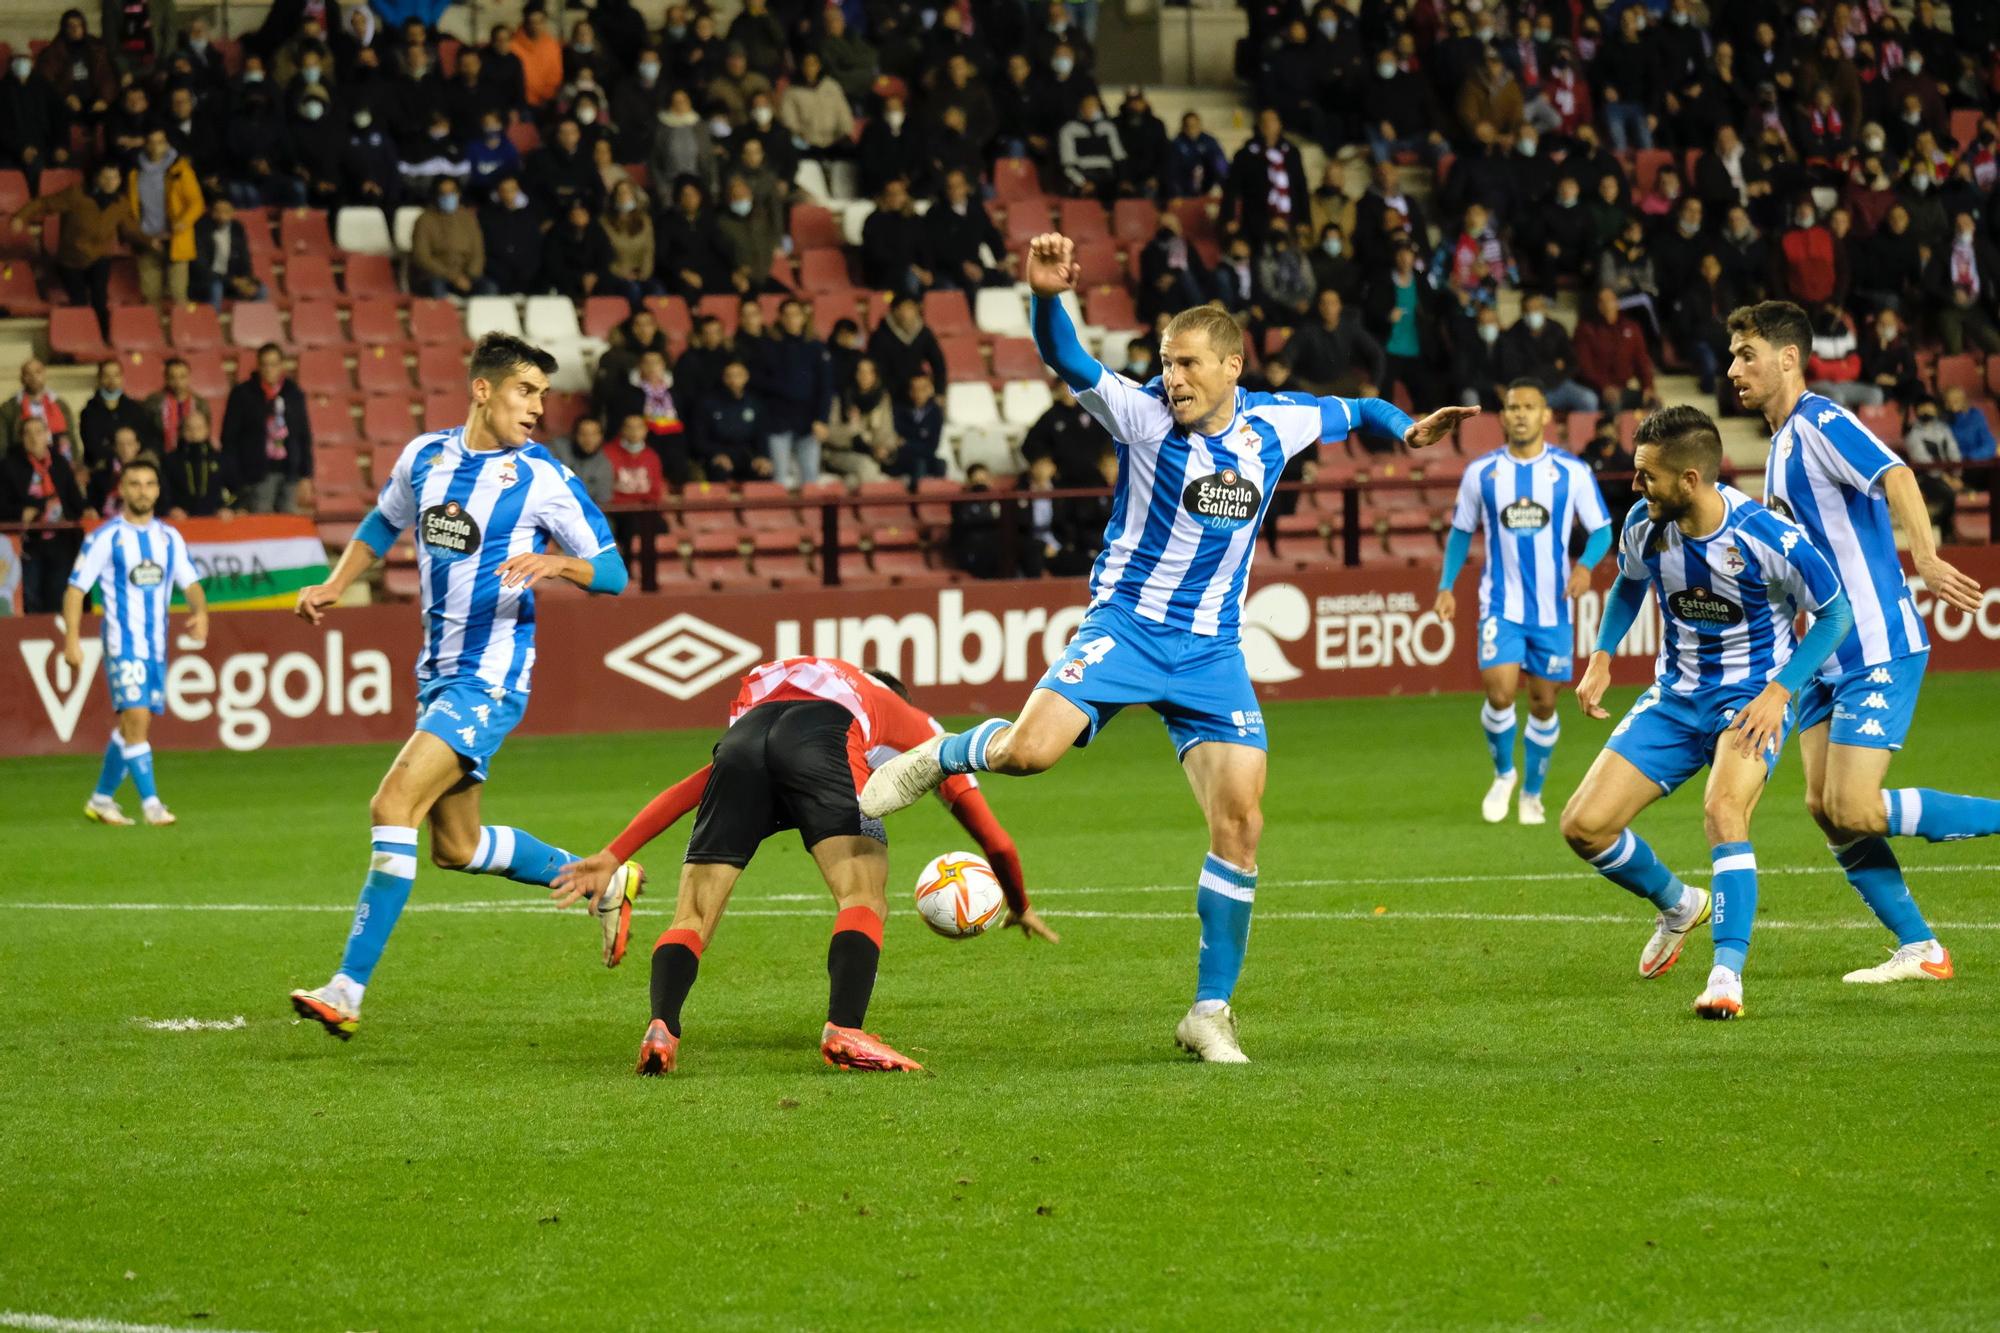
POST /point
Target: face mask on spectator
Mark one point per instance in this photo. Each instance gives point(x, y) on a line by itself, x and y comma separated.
point(1913, 117)
point(1920, 182)
point(1565, 201)
point(677, 30)
point(1914, 64)
point(313, 109)
point(627, 205)
point(649, 70)
point(1332, 246)
point(1385, 69)
point(253, 76)
point(740, 207)
point(762, 115)
point(894, 120)
point(586, 115)
point(583, 48)
point(1327, 28)
point(111, 395)
point(1138, 370)
point(1874, 143)
point(719, 127)
point(1535, 319)
point(493, 136)
point(363, 119)
point(1527, 145)
point(198, 45)
point(311, 75)
point(1061, 66)
point(1489, 333)
point(23, 67)
point(448, 203)
point(1679, 20)
point(1545, 35)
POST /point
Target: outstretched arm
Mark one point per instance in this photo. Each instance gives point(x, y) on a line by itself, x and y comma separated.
point(971, 811)
point(587, 878)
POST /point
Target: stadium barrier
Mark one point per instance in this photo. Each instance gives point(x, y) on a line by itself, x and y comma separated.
point(266, 678)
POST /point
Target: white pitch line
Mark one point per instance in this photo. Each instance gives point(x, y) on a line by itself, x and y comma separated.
point(48, 1323)
point(193, 1024)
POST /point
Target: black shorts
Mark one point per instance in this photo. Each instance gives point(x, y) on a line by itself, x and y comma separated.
point(783, 765)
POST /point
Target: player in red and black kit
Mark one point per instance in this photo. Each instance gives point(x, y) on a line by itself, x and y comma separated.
point(804, 734)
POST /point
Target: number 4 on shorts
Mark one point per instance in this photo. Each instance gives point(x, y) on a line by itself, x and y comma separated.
point(1090, 654)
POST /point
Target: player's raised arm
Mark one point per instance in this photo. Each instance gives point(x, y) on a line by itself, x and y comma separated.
point(1132, 415)
point(587, 878)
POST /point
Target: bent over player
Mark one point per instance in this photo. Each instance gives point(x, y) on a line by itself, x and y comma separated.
point(1849, 492)
point(804, 733)
point(1198, 458)
point(485, 503)
point(135, 562)
point(1730, 578)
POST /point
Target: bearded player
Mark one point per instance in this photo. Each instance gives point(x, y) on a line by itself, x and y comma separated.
point(1198, 458)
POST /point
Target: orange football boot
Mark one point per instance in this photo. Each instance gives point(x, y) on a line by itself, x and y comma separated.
point(658, 1052)
point(851, 1048)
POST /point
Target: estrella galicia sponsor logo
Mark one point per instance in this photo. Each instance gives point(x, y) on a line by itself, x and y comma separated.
point(146, 574)
point(1222, 500)
point(1524, 515)
point(1700, 607)
point(449, 530)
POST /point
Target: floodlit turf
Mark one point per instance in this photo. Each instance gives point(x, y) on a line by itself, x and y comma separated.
point(1466, 1108)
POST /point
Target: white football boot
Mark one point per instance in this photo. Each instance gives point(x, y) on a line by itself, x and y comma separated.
point(1926, 960)
point(157, 814)
point(1723, 996)
point(1210, 1037)
point(903, 781)
point(336, 1006)
point(1531, 811)
point(105, 810)
point(1670, 932)
point(1498, 797)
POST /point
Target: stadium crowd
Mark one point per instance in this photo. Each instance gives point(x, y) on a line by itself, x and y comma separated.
point(1664, 162)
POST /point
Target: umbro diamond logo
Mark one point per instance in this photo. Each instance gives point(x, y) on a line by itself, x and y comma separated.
point(1872, 728)
point(682, 656)
point(1875, 701)
point(1881, 676)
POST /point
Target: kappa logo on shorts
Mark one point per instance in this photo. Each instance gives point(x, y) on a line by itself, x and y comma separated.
point(1881, 676)
point(1875, 701)
point(468, 734)
point(683, 656)
point(483, 713)
point(1872, 728)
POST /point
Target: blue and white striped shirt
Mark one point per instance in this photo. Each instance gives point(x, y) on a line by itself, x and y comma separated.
point(1825, 474)
point(135, 568)
point(1728, 599)
point(1528, 507)
point(472, 510)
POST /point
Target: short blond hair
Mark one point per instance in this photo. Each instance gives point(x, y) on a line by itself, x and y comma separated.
point(1224, 334)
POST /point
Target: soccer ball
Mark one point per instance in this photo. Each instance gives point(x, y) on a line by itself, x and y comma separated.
point(959, 896)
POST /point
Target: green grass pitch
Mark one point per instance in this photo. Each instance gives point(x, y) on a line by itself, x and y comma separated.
point(1466, 1109)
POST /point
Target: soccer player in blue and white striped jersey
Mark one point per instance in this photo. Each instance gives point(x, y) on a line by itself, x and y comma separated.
point(1849, 493)
point(135, 562)
point(1198, 458)
point(1730, 578)
point(485, 503)
point(1529, 497)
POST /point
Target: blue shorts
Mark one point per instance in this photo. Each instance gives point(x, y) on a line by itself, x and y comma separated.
point(1871, 707)
point(470, 716)
point(1670, 737)
point(1197, 683)
point(1547, 651)
point(137, 682)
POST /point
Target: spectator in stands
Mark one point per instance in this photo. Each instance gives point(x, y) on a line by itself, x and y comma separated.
point(1396, 112)
point(1267, 180)
point(1024, 113)
point(1234, 282)
point(1556, 242)
point(1929, 444)
point(1888, 361)
point(730, 444)
point(448, 249)
point(1538, 348)
point(1606, 455)
point(1171, 274)
point(575, 254)
point(587, 110)
point(978, 538)
point(191, 476)
point(1091, 154)
point(1475, 362)
point(78, 66)
point(1960, 284)
point(197, 47)
point(1833, 366)
point(638, 334)
point(1294, 79)
point(950, 148)
point(964, 88)
point(34, 401)
point(169, 409)
point(1484, 175)
point(318, 144)
point(815, 108)
point(1142, 360)
point(798, 395)
point(891, 148)
point(1678, 244)
point(370, 173)
point(730, 91)
point(700, 368)
point(490, 155)
point(1609, 213)
point(1384, 203)
point(1701, 319)
point(1331, 266)
point(1745, 256)
point(102, 493)
point(1039, 517)
point(36, 486)
point(1283, 283)
point(637, 474)
point(747, 239)
point(847, 57)
point(1401, 317)
point(1811, 267)
point(1334, 354)
point(1196, 166)
point(896, 244)
point(584, 454)
point(541, 57)
point(511, 230)
point(108, 411)
point(267, 440)
point(561, 170)
point(953, 233)
point(94, 220)
point(628, 231)
point(191, 129)
point(754, 346)
point(637, 99)
point(1492, 96)
point(260, 154)
point(769, 187)
point(1081, 522)
point(683, 146)
point(1969, 426)
point(919, 422)
point(1476, 259)
point(1628, 79)
point(33, 128)
point(904, 347)
point(1067, 436)
point(125, 128)
point(1611, 357)
point(1626, 267)
point(861, 434)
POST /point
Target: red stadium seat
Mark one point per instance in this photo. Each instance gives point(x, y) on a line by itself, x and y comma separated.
point(1480, 435)
point(1017, 359)
point(19, 296)
point(310, 275)
point(1197, 220)
point(559, 414)
point(963, 358)
point(57, 179)
point(337, 480)
point(374, 323)
point(1886, 421)
point(332, 422)
point(1110, 308)
point(1581, 426)
point(74, 335)
point(723, 307)
point(824, 270)
point(1014, 178)
point(1647, 165)
point(440, 367)
point(380, 370)
point(136, 328)
point(1082, 220)
point(434, 320)
point(145, 372)
point(444, 407)
point(813, 227)
point(316, 323)
point(207, 375)
point(602, 314)
point(1134, 221)
point(254, 323)
point(386, 420)
point(382, 456)
point(194, 327)
point(1993, 376)
point(771, 303)
point(1962, 371)
point(524, 136)
point(13, 191)
point(948, 313)
point(829, 308)
point(369, 276)
point(1026, 219)
point(303, 231)
point(323, 370)
point(1098, 266)
point(672, 312)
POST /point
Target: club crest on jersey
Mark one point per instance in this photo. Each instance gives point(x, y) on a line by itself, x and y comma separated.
point(1524, 515)
point(146, 574)
point(1699, 606)
point(449, 530)
point(1732, 559)
point(507, 474)
point(1222, 500)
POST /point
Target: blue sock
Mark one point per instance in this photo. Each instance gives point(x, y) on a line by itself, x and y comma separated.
point(1940, 816)
point(139, 763)
point(519, 855)
point(1499, 728)
point(392, 868)
point(1631, 865)
point(966, 752)
point(1735, 890)
point(1223, 902)
point(113, 772)
point(1539, 744)
point(1872, 869)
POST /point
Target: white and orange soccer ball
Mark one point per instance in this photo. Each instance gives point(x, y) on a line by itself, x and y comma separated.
point(959, 896)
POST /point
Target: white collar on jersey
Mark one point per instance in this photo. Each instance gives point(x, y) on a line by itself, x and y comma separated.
point(1540, 454)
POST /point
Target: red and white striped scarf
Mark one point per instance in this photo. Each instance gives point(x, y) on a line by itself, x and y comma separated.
point(1277, 180)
